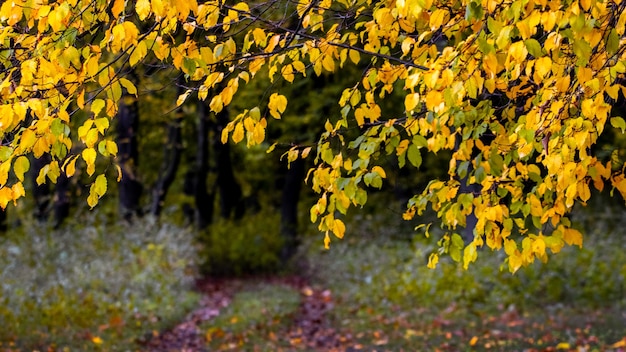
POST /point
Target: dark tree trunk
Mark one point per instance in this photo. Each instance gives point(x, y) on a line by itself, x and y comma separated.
point(61, 200)
point(41, 193)
point(231, 202)
point(171, 161)
point(289, 208)
point(203, 199)
point(130, 189)
point(3, 220)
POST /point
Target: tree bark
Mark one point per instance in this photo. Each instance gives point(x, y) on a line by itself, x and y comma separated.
point(61, 200)
point(231, 202)
point(289, 208)
point(130, 189)
point(171, 161)
point(202, 198)
point(3, 220)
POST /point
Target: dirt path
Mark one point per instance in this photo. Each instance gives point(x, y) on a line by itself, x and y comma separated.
point(310, 329)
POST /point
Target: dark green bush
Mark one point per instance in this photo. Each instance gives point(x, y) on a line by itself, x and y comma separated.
point(247, 246)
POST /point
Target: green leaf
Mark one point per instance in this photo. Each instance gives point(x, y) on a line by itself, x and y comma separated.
point(5, 153)
point(618, 122)
point(57, 127)
point(612, 42)
point(474, 11)
point(582, 49)
point(414, 155)
point(534, 48)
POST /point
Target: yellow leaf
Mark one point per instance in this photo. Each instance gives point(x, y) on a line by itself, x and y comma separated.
point(89, 155)
point(20, 167)
point(473, 341)
point(588, 108)
point(102, 124)
point(238, 133)
point(573, 237)
point(411, 101)
point(288, 73)
point(339, 228)
point(4, 172)
point(354, 56)
point(138, 53)
point(17, 191)
point(91, 138)
point(326, 237)
point(97, 106)
point(328, 63)
point(216, 104)
point(27, 140)
point(142, 7)
point(433, 259)
point(111, 147)
point(379, 170)
point(542, 67)
point(277, 105)
point(130, 87)
point(117, 8)
point(70, 167)
point(97, 340)
point(119, 172)
point(6, 195)
point(181, 98)
point(437, 18)
point(100, 185)
point(258, 135)
point(518, 52)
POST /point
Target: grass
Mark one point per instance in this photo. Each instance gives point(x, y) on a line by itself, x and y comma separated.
point(92, 286)
point(257, 315)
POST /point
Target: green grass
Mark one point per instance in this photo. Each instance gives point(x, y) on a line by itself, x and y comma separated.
point(92, 286)
point(259, 315)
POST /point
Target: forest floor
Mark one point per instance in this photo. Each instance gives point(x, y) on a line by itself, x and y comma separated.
point(313, 325)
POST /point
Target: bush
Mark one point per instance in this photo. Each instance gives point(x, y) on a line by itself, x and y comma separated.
point(247, 246)
point(90, 284)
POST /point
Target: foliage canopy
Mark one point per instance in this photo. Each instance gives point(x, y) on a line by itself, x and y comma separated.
point(518, 90)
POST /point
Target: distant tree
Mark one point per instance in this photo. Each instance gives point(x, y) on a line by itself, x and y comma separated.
point(534, 75)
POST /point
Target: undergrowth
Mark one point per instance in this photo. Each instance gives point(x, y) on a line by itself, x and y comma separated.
point(90, 285)
point(379, 275)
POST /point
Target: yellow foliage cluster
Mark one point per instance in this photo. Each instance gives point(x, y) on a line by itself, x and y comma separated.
point(536, 74)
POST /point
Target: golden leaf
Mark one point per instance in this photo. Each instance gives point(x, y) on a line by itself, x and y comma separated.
point(117, 8)
point(89, 155)
point(238, 133)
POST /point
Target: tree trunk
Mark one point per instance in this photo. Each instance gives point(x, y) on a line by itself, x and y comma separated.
point(289, 208)
point(61, 200)
point(41, 193)
point(231, 202)
point(3, 220)
point(171, 161)
point(130, 189)
point(203, 199)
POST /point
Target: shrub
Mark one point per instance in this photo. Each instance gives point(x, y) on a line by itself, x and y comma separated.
point(250, 245)
point(90, 284)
